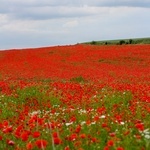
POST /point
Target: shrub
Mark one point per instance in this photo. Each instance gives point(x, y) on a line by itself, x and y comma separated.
point(93, 42)
point(121, 42)
point(130, 41)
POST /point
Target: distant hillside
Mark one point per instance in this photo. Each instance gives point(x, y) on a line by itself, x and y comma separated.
point(121, 41)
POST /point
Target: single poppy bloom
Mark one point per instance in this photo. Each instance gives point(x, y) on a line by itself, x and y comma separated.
point(36, 134)
point(10, 142)
point(24, 136)
point(73, 137)
point(104, 125)
point(29, 146)
point(112, 134)
point(73, 119)
point(93, 139)
point(5, 123)
point(57, 141)
point(55, 135)
point(106, 148)
point(67, 148)
point(78, 129)
point(82, 136)
point(9, 129)
point(110, 143)
point(41, 143)
point(140, 126)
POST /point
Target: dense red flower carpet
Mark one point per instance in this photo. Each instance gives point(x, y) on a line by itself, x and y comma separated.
point(77, 97)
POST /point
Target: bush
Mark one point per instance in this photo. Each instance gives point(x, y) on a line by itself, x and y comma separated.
point(130, 41)
point(122, 42)
point(93, 42)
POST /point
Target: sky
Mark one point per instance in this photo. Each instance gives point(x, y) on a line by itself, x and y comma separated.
point(41, 23)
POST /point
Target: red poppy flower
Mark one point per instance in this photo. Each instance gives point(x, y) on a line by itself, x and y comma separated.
point(36, 134)
point(94, 140)
point(106, 148)
point(67, 148)
point(29, 146)
point(120, 148)
point(73, 137)
point(55, 135)
point(104, 125)
point(110, 143)
point(57, 141)
point(78, 129)
point(140, 126)
point(112, 134)
point(73, 119)
point(82, 136)
point(24, 136)
point(41, 143)
point(10, 142)
point(5, 123)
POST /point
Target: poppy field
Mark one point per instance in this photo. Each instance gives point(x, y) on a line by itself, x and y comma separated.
point(76, 97)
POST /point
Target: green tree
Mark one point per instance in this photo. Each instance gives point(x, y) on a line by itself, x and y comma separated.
point(121, 42)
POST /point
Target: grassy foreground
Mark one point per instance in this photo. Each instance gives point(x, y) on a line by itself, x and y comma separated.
point(73, 116)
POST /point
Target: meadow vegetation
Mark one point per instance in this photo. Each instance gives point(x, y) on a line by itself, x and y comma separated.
point(79, 97)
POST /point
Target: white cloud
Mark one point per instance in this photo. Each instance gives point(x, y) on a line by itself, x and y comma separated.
point(3, 19)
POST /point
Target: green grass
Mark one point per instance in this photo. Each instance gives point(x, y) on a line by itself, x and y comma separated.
point(121, 41)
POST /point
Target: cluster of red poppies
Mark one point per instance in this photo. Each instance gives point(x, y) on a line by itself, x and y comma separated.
point(75, 98)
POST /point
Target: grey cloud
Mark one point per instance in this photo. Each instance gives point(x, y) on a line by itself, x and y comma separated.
point(37, 3)
point(50, 12)
point(116, 3)
point(132, 3)
point(57, 8)
point(45, 9)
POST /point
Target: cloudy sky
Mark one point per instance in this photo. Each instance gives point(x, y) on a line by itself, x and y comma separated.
point(36, 23)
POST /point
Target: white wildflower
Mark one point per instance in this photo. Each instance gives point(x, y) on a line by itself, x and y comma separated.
point(146, 133)
point(35, 113)
point(69, 123)
point(103, 116)
point(83, 122)
point(122, 123)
